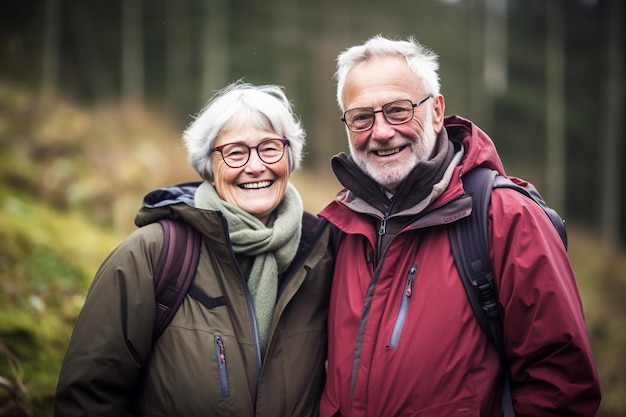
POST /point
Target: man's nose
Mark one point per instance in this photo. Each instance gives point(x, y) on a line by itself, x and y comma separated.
point(381, 128)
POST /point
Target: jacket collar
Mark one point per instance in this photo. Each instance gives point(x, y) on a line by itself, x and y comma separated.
point(418, 185)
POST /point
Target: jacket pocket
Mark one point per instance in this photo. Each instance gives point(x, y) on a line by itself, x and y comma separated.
point(220, 353)
point(404, 307)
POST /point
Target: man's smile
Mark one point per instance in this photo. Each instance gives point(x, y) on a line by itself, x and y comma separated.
point(387, 152)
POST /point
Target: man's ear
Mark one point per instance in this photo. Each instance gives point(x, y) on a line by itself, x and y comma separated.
point(438, 113)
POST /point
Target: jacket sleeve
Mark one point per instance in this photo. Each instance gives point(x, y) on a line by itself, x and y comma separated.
point(552, 365)
point(113, 334)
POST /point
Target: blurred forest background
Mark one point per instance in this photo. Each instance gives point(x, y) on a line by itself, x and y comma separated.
point(94, 96)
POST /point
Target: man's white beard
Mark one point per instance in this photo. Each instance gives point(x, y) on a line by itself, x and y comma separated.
point(390, 174)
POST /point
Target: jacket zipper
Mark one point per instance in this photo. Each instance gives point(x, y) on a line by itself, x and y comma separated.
point(249, 303)
point(382, 230)
point(404, 306)
point(220, 353)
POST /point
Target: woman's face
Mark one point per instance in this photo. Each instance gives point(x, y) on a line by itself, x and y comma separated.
point(257, 187)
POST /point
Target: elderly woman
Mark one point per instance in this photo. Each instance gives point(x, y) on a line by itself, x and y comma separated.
point(260, 352)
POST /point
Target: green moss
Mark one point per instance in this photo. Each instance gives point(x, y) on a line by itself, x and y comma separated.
point(47, 260)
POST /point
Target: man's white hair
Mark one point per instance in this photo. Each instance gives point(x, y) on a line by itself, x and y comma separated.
point(421, 60)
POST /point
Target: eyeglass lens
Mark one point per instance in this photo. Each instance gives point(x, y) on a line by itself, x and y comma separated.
point(396, 112)
point(237, 155)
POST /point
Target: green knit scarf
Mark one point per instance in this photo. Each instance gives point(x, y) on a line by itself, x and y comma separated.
point(273, 247)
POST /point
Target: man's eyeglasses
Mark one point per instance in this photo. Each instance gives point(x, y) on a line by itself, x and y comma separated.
point(397, 112)
point(236, 155)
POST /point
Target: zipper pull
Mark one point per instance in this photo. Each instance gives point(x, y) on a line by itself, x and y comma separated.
point(220, 349)
point(383, 226)
point(409, 280)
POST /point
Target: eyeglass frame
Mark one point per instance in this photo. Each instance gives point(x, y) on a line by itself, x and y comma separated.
point(283, 141)
point(382, 110)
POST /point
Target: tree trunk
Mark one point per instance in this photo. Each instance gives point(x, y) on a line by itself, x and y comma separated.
point(495, 35)
point(215, 56)
point(178, 55)
point(611, 188)
point(51, 45)
point(287, 44)
point(328, 132)
point(479, 102)
point(555, 118)
point(132, 52)
point(93, 65)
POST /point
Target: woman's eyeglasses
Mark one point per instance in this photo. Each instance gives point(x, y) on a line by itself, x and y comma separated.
point(236, 155)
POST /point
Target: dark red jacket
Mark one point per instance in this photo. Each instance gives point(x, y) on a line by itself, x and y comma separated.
point(403, 339)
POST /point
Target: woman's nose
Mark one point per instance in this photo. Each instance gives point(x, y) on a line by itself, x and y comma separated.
point(255, 164)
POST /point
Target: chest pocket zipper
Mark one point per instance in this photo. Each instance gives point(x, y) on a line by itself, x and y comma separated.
point(220, 353)
point(404, 307)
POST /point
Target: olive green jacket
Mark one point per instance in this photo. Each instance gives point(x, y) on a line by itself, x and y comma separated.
point(207, 362)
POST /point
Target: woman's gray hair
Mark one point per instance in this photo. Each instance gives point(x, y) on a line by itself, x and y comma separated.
point(421, 60)
point(265, 107)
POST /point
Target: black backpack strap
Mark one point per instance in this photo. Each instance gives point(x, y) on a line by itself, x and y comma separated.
point(179, 261)
point(531, 192)
point(470, 247)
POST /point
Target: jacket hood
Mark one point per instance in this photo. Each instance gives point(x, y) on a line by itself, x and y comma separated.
point(173, 201)
point(173, 194)
point(479, 148)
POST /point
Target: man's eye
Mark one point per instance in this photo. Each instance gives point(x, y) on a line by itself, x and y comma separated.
point(362, 117)
point(396, 109)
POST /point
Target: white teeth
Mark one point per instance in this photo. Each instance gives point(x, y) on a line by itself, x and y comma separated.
point(256, 185)
point(387, 152)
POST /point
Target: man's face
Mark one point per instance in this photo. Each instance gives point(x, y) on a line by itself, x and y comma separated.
point(389, 152)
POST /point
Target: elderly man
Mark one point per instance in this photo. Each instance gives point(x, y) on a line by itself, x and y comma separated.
point(403, 339)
